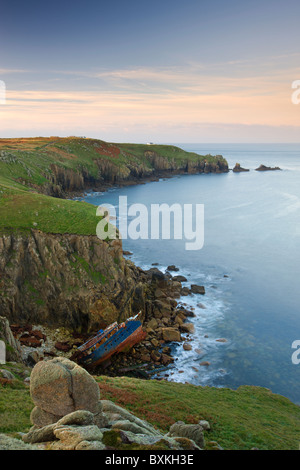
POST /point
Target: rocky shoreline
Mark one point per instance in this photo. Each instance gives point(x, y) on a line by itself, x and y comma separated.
point(85, 284)
point(167, 320)
point(65, 282)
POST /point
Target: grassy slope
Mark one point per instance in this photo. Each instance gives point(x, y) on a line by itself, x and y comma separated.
point(22, 210)
point(25, 163)
point(242, 419)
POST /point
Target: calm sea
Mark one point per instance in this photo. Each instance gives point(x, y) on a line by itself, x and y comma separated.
point(249, 265)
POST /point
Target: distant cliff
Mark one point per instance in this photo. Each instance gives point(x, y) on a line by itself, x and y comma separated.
point(53, 268)
point(60, 166)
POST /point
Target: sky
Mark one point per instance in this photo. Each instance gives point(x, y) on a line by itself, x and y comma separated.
point(162, 71)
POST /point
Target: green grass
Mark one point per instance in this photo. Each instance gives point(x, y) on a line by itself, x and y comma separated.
point(240, 419)
point(15, 409)
point(27, 166)
point(23, 210)
point(30, 161)
point(170, 152)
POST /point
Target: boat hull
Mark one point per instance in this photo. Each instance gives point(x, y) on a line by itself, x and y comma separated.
point(124, 338)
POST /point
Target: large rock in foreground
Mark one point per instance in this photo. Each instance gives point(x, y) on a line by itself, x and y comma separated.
point(59, 387)
point(68, 416)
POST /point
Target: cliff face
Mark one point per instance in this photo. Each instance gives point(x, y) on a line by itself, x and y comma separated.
point(63, 181)
point(161, 163)
point(75, 281)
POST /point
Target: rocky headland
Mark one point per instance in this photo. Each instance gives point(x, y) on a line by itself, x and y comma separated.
point(59, 283)
point(62, 167)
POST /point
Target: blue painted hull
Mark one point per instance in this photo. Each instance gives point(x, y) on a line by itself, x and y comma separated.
point(117, 338)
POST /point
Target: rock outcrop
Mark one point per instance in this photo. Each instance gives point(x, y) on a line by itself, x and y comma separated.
point(195, 289)
point(59, 387)
point(13, 352)
point(267, 168)
point(79, 420)
point(80, 282)
point(238, 169)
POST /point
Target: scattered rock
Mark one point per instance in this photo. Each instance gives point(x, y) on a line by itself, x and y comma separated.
point(134, 428)
point(30, 341)
point(72, 436)
point(187, 328)
point(152, 324)
point(238, 168)
point(179, 278)
point(63, 346)
point(172, 268)
point(33, 358)
point(36, 434)
point(10, 443)
point(110, 409)
point(185, 291)
point(197, 289)
point(166, 359)
point(267, 168)
point(190, 431)
point(201, 306)
point(6, 374)
point(78, 418)
point(171, 335)
point(90, 445)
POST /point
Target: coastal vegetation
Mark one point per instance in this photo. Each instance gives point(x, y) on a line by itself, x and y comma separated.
point(33, 170)
point(44, 230)
point(243, 419)
point(56, 272)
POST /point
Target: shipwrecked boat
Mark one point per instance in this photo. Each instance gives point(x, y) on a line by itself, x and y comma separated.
point(115, 338)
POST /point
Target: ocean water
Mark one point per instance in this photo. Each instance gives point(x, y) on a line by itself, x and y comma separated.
point(249, 265)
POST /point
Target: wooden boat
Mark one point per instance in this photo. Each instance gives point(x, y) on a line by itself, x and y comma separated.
point(115, 338)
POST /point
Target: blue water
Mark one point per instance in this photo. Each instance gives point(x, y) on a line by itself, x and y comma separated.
point(249, 264)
